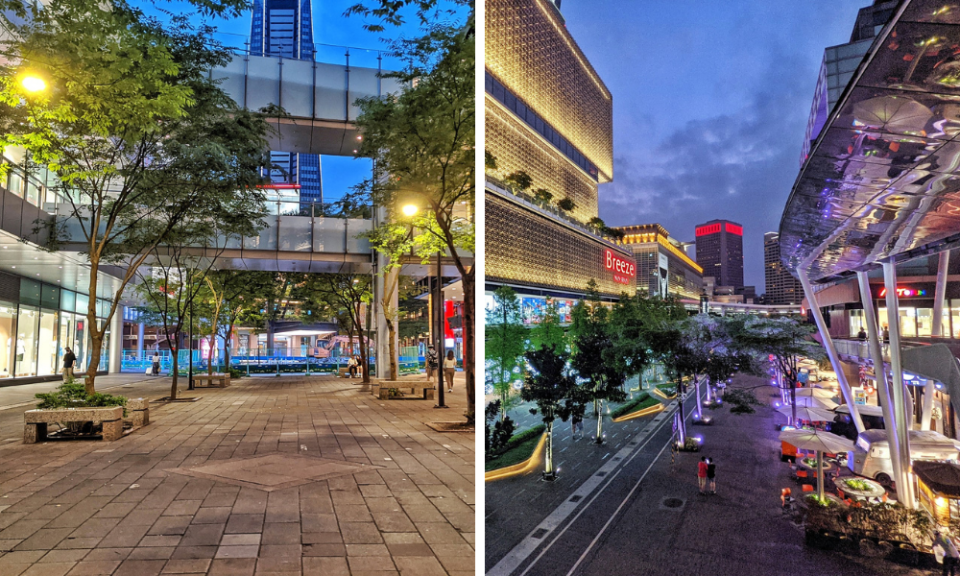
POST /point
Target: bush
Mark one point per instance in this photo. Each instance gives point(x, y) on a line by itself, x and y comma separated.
point(639, 403)
point(523, 436)
point(71, 394)
point(501, 435)
point(741, 401)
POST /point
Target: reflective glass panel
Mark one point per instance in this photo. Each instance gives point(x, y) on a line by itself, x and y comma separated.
point(26, 341)
point(8, 325)
point(47, 350)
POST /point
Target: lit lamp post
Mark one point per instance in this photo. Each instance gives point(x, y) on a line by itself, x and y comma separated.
point(410, 210)
point(33, 83)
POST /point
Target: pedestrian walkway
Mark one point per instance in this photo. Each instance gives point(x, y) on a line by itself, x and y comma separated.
point(279, 475)
point(651, 518)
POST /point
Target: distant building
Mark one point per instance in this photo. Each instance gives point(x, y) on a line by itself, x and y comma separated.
point(781, 286)
point(839, 64)
point(720, 251)
point(284, 28)
point(663, 267)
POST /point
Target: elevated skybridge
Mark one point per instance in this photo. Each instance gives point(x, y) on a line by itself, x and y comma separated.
point(319, 98)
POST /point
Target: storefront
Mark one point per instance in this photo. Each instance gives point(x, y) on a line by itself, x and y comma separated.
point(37, 322)
point(916, 310)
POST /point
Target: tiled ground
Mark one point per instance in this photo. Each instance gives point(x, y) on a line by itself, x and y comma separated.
point(92, 508)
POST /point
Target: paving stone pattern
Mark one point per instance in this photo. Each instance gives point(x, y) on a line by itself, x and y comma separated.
point(405, 505)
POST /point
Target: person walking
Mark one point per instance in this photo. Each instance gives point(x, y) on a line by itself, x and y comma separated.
point(69, 359)
point(432, 362)
point(449, 369)
point(886, 334)
point(711, 476)
point(702, 473)
point(946, 553)
point(156, 363)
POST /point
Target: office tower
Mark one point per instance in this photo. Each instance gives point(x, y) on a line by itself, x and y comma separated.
point(839, 64)
point(720, 251)
point(284, 28)
point(549, 132)
point(781, 286)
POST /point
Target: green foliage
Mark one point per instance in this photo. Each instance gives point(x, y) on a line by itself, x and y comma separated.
point(489, 161)
point(596, 224)
point(857, 484)
point(566, 204)
point(391, 12)
point(542, 196)
point(519, 180)
point(505, 343)
point(72, 394)
point(517, 451)
point(595, 356)
point(548, 331)
point(641, 402)
point(630, 354)
point(786, 339)
point(548, 383)
point(500, 436)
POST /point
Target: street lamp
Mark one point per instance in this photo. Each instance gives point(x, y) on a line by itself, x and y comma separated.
point(33, 83)
point(409, 210)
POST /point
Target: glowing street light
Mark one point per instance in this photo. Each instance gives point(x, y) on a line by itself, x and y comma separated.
point(409, 210)
point(33, 83)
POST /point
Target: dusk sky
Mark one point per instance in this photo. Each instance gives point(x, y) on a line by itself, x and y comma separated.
point(710, 104)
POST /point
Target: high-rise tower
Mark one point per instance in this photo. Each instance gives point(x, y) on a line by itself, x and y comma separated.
point(284, 28)
point(720, 251)
point(781, 286)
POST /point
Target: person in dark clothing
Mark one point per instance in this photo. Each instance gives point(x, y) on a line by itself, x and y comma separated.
point(711, 476)
point(433, 362)
point(69, 359)
point(862, 334)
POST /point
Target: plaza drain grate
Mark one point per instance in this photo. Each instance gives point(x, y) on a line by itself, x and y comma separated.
point(671, 503)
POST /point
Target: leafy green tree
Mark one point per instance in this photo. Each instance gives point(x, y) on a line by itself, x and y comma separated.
point(784, 341)
point(346, 297)
point(548, 331)
point(630, 354)
point(566, 204)
point(506, 338)
point(542, 196)
point(241, 295)
point(548, 384)
point(593, 355)
point(136, 135)
point(519, 180)
point(663, 320)
point(390, 12)
point(422, 143)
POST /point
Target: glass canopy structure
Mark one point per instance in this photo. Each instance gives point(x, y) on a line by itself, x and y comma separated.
point(881, 182)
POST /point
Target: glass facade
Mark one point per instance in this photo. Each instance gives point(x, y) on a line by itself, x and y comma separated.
point(35, 332)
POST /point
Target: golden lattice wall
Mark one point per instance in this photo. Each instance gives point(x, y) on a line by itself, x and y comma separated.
point(530, 51)
point(529, 249)
point(516, 147)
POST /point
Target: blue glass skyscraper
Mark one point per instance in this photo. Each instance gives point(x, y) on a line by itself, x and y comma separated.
point(285, 28)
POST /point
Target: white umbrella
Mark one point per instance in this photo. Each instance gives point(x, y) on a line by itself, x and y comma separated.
point(820, 442)
point(816, 392)
point(811, 413)
point(816, 402)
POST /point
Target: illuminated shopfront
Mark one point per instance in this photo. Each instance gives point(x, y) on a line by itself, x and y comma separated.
point(37, 322)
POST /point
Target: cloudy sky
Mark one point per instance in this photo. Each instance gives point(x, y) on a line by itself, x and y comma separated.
point(710, 103)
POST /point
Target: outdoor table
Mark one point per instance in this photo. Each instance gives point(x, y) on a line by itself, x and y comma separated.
point(874, 490)
point(801, 462)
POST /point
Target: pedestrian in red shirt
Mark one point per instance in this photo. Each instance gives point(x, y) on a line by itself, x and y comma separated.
point(702, 473)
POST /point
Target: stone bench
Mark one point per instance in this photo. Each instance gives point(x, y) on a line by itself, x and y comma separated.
point(138, 410)
point(35, 421)
point(345, 373)
point(209, 380)
point(421, 388)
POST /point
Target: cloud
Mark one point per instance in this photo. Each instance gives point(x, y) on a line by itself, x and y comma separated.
point(738, 165)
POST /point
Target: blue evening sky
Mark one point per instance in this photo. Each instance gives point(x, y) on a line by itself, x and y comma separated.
point(710, 104)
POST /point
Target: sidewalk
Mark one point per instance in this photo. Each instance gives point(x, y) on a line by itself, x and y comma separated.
point(278, 475)
point(665, 527)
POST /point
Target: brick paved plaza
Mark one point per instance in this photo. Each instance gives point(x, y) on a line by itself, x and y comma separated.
point(289, 475)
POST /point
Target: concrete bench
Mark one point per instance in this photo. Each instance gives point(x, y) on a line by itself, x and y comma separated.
point(421, 389)
point(345, 373)
point(35, 421)
point(211, 380)
point(138, 412)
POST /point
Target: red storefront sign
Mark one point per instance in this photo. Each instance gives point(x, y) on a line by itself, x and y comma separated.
point(905, 292)
point(623, 269)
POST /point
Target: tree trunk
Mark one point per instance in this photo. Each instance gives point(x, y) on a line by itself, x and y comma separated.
point(598, 409)
point(696, 383)
point(176, 370)
point(468, 348)
point(394, 358)
point(96, 344)
point(226, 347)
point(682, 425)
point(548, 472)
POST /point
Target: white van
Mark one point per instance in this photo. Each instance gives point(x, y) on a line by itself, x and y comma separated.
point(871, 452)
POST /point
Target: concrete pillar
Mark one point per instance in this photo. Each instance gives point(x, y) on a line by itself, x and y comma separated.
point(903, 420)
point(940, 293)
point(116, 341)
point(140, 340)
point(928, 391)
point(831, 349)
point(880, 371)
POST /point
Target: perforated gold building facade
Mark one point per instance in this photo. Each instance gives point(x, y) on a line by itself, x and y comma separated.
point(548, 115)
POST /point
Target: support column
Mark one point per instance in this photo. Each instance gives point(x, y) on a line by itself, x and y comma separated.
point(904, 487)
point(928, 390)
point(939, 294)
point(116, 341)
point(831, 349)
point(880, 372)
point(140, 346)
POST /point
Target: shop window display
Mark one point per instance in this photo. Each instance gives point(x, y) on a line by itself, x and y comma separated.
point(8, 325)
point(47, 359)
point(26, 342)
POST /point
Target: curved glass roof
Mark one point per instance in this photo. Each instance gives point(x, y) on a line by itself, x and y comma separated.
point(883, 179)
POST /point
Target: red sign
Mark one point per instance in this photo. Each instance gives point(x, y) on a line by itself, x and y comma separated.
point(734, 229)
point(905, 292)
point(708, 229)
point(623, 269)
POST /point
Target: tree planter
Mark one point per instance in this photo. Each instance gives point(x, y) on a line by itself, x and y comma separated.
point(35, 422)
